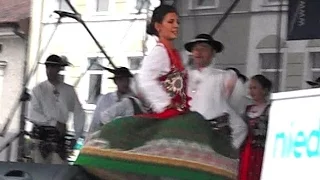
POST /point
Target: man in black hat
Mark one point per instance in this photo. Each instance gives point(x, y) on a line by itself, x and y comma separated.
point(121, 78)
point(51, 103)
point(314, 84)
point(211, 88)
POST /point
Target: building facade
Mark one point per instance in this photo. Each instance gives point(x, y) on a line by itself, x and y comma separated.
point(251, 35)
point(119, 26)
point(13, 54)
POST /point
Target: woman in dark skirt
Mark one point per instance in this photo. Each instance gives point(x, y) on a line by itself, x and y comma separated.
point(171, 141)
point(256, 115)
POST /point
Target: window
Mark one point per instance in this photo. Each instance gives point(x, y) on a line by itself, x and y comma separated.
point(275, 2)
point(95, 79)
point(135, 62)
point(266, 62)
point(203, 4)
point(1, 48)
point(102, 5)
point(314, 65)
point(63, 6)
point(268, 68)
point(142, 5)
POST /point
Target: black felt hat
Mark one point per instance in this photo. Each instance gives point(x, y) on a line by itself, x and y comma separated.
point(120, 72)
point(314, 83)
point(205, 38)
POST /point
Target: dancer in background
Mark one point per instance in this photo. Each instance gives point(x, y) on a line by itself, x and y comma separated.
point(256, 116)
point(211, 88)
point(133, 104)
point(50, 105)
point(122, 77)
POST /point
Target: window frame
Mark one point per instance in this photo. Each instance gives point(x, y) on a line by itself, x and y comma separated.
point(106, 85)
point(283, 70)
point(94, 7)
point(134, 56)
point(132, 7)
point(191, 5)
point(308, 74)
point(269, 3)
point(61, 2)
point(87, 78)
point(312, 70)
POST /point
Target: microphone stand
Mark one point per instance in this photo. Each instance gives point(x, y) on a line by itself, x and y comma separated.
point(78, 18)
point(224, 17)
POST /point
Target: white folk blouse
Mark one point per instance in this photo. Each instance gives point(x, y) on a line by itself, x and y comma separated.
point(155, 65)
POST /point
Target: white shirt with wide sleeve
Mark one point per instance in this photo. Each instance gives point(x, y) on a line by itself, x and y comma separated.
point(207, 88)
point(238, 99)
point(155, 65)
point(47, 109)
point(103, 103)
point(120, 109)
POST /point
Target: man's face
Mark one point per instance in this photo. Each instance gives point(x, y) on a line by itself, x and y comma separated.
point(123, 84)
point(53, 71)
point(202, 54)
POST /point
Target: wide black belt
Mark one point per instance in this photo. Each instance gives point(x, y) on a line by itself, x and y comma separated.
point(46, 133)
point(221, 125)
point(51, 140)
point(221, 122)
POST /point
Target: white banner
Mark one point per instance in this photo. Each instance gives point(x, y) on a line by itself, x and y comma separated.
point(293, 140)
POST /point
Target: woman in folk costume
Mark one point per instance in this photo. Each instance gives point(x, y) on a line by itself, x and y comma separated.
point(256, 116)
point(170, 142)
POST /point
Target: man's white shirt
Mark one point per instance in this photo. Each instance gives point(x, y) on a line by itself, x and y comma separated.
point(120, 109)
point(206, 87)
point(47, 108)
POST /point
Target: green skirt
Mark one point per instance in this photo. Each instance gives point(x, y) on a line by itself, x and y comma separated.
point(183, 147)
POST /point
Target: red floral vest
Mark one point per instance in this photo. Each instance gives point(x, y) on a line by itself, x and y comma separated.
point(175, 84)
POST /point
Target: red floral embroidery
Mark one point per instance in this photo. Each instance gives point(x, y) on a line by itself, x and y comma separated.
point(175, 84)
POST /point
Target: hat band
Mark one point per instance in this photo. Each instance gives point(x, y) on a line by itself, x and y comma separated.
point(199, 39)
point(51, 62)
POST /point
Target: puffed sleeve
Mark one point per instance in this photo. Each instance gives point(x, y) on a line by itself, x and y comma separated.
point(155, 65)
point(119, 109)
point(230, 79)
